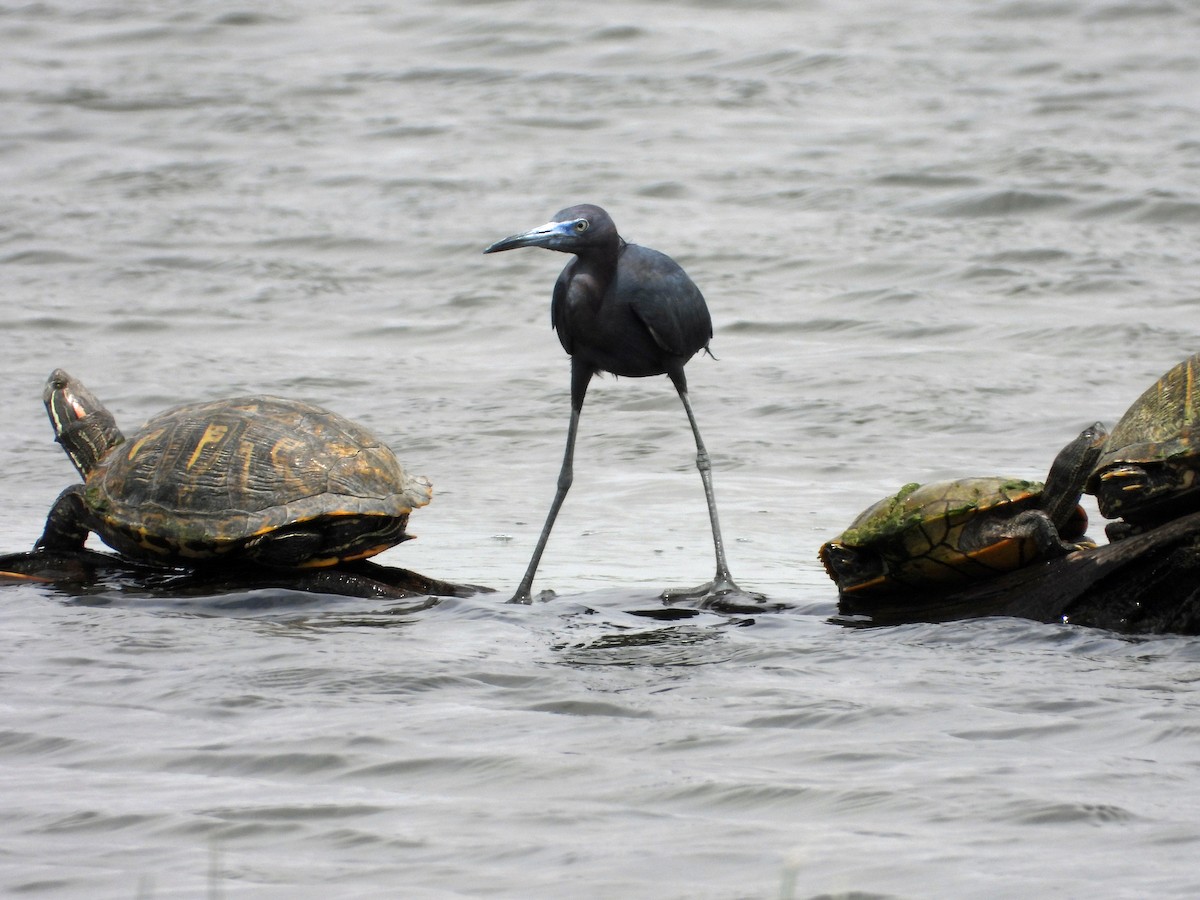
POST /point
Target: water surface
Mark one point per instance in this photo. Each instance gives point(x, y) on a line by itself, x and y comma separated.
point(936, 239)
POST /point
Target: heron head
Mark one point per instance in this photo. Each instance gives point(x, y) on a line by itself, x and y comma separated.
point(575, 229)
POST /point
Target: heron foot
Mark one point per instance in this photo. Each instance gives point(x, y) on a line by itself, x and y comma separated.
point(525, 598)
point(721, 594)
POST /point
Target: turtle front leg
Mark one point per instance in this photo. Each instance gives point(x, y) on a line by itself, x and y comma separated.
point(1036, 525)
point(67, 524)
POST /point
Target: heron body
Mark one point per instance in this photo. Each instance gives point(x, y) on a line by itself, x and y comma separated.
point(618, 325)
point(627, 310)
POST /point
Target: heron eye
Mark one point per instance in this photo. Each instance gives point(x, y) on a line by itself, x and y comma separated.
point(581, 226)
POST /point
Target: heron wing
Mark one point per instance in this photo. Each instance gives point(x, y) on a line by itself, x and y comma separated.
point(670, 306)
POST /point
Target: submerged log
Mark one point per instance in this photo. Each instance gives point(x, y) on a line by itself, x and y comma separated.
point(86, 572)
point(1145, 584)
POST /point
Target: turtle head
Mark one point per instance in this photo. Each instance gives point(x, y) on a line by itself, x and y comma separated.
point(86, 430)
point(852, 568)
point(1069, 471)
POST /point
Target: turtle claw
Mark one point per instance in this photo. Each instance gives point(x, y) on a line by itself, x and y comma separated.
point(720, 594)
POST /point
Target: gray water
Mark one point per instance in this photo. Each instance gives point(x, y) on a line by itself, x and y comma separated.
point(937, 239)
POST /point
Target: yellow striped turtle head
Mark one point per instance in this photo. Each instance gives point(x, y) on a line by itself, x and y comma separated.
point(85, 429)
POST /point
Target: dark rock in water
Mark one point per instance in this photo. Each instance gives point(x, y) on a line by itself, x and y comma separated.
point(1146, 584)
point(86, 572)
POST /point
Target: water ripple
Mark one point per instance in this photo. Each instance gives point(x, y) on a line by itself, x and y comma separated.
point(932, 236)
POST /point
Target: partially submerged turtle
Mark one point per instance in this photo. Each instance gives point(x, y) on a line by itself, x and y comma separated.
point(1149, 472)
point(951, 533)
point(272, 481)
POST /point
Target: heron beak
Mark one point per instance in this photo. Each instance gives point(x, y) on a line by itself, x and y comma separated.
point(549, 236)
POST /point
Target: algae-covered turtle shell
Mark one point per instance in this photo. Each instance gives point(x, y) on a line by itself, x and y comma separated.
point(266, 479)
point(1148, 472)
point(951, 533)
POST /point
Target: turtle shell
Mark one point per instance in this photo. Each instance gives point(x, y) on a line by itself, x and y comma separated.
point(207, 479)
point(929, 535)
point(1150, 461)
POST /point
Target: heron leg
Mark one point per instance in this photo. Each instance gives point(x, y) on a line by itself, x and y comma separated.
point(580, 377)
point(705, 466)
point(722, 591)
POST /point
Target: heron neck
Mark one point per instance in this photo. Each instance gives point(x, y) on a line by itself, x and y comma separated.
point(600, 264)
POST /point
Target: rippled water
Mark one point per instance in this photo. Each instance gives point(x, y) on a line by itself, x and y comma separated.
point(937, 239)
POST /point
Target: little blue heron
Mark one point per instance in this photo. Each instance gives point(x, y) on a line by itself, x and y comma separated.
point(630, 311)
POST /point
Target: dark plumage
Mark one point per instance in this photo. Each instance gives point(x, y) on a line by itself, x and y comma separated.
point(628, 310)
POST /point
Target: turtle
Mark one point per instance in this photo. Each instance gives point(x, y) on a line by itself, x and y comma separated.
point(952, 533)
point(1149, 471)
point(259, 479)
